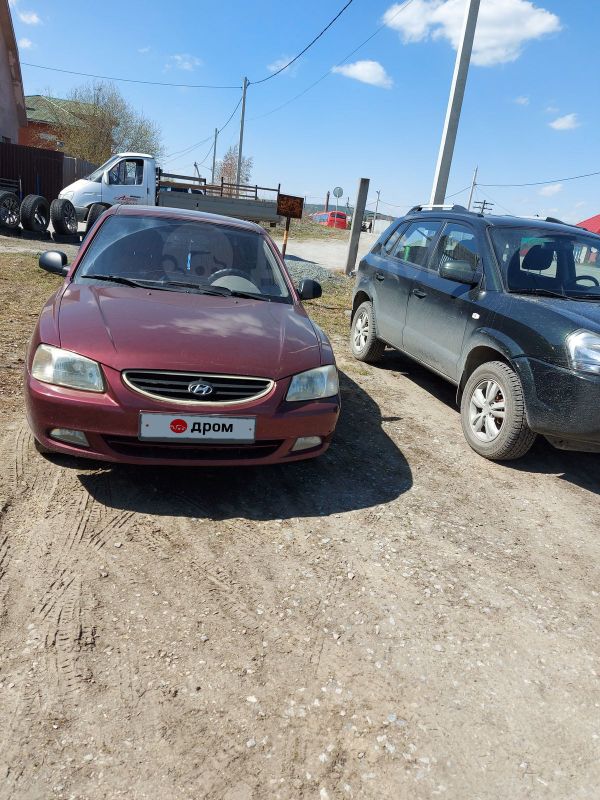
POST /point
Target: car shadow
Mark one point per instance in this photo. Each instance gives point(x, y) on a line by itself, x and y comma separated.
point(579, 469)
point(362, 468)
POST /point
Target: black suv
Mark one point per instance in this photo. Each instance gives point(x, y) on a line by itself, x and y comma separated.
point(508, 309)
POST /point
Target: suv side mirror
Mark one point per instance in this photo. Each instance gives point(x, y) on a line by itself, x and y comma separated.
point(461, 272)
point(309, 289)
point(54, 261)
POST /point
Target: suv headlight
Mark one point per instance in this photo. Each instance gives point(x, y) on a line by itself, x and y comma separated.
point(63, 368)
point(584, 351)
point(314, 384)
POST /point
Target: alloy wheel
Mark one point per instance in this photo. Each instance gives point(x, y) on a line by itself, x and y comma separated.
point(361, 330)
point(9, 212)
point(487, 410)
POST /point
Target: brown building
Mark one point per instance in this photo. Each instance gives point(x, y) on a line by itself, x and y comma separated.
point(12, 102)
point(43, 116)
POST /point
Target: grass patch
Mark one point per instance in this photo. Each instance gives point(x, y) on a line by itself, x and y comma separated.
point(329, 311)
point(305, 228)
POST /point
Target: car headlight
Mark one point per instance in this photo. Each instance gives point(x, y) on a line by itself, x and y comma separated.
point(63, 368)
point(584, 351)
point(314, 384)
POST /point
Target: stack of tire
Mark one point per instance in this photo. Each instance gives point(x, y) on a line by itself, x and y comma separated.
point(34, 214)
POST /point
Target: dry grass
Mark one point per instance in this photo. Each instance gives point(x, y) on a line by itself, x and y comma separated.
point(331, 310)
point(305, 228)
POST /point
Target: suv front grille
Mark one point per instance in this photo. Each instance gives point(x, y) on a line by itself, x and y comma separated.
point(174, 386)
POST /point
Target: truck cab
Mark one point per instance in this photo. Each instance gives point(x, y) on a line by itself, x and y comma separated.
point(126, 178)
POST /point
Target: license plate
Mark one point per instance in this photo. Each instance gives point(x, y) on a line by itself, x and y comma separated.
point(196, 427)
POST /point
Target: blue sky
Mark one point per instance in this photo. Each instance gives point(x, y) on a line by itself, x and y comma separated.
point(531, 110)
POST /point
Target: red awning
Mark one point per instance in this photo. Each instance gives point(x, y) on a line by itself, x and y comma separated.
point(592, 224)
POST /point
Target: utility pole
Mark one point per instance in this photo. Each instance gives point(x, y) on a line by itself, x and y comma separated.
point(357, 220)
point(327, 201)
point(241, 142)
point(212, 179)
point(483, 206)
point(376, 209)
point(473, 185)
point(457, 93)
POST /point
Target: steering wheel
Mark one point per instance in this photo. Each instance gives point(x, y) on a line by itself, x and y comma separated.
point(224, 273)
point(595, 281)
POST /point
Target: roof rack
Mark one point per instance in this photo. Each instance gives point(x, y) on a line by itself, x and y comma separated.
point(440, 207)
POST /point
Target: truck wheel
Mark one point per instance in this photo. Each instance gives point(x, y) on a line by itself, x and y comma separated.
point(492, 412)
point(364, 343)
point(9, 210)
point(96, 211)
point(35, 213)
point(63, 217)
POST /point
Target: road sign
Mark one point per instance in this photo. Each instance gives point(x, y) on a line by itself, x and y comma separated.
point(338, 191)
point(290, 206)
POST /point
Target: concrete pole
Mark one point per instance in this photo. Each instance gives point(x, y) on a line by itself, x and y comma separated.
point(241, 142)
point(457, 93)
point(212, 180)
point(357, 218)
point(376, 209)
point(473, 185)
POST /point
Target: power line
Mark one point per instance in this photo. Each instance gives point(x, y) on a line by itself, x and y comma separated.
point(539, 183)
point(197, 144)
point(448, 196)
point(308, 46)
point(128, 80)
point(328, 73)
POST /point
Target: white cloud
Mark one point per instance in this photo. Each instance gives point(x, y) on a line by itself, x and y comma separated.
point(29, 17)
point(281, 62)
point(370, 72)
point(522, 100)
point(552, 110)
point(144, 49)
point(25, 43)
point(551, 189)
point(183, 61)
point(503, 26)
point(566, 123)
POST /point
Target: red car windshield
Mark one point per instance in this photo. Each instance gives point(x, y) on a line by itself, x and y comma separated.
point(183, 255)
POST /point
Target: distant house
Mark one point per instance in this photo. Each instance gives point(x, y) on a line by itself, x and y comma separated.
point(12, 102)
point(44, 117)
point(592, 224)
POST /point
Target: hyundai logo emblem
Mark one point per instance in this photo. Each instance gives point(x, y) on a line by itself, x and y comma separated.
point(200, 388)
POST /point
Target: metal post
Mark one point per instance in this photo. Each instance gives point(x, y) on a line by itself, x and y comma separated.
point(376, 209)
point(473, 185)
point(457, 93)
point(327, 201)
point(357, 218)
point(241, 142)
point(212, 179)
point(286, 233)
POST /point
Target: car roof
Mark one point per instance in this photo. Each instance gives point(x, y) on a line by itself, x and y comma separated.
point(497, 220)
point(161, 212)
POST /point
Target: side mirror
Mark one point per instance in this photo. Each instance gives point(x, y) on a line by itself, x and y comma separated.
point(461, 272)
point(309, 289)
point(54, 261)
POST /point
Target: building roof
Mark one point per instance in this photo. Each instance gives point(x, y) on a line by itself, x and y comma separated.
point(8, 32)
point(592, 224)
point(51, 110)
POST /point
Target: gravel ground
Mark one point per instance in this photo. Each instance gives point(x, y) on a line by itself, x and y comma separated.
point(299, 269)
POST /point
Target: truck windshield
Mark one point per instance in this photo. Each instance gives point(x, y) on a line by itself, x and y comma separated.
point(96, 175)
point(184, 255)
point(545, 261)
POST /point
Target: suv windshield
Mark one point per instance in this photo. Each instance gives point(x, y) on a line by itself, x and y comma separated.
point(543, 261)
point(183, 255)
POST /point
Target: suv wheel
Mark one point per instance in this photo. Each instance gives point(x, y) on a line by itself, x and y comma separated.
point(364, 343)
point(492, 412)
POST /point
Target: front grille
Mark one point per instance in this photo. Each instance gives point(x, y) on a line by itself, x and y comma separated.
point(129, 446)
point(173, 386)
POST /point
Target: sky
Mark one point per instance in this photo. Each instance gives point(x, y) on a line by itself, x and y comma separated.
point(531, 110)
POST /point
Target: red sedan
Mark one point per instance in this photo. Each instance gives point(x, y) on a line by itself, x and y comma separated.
point(179, 338)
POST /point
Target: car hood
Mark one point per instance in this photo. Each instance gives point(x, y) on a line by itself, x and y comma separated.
point(131, 328)
point(580, 313)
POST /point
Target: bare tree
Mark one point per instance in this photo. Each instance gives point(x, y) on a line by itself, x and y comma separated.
point(227, 168)
point(97, 121)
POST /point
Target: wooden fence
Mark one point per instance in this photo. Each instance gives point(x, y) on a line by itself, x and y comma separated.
point(39, 171)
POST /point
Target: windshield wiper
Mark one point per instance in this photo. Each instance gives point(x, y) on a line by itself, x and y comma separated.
point(219, 291)
point(119, 279)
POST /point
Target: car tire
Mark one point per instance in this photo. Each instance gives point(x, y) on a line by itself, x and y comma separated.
point(63, 217)
point(96, 211)
point(364, 343)
point(9, 210)
point(35, 213)
point(492, 412)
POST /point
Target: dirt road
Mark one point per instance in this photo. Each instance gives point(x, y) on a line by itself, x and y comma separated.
point(400, 619)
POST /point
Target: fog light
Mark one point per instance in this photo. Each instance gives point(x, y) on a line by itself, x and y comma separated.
point(306, 442)
point(69, 436)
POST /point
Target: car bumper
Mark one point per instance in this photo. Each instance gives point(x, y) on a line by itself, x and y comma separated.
point(110, 422)
point(561, 404)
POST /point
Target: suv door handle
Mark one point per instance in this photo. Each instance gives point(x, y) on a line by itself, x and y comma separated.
point(379, 276)
point(419, 293)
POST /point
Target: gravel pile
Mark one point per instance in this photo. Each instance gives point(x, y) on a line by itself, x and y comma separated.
point(308, 269)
